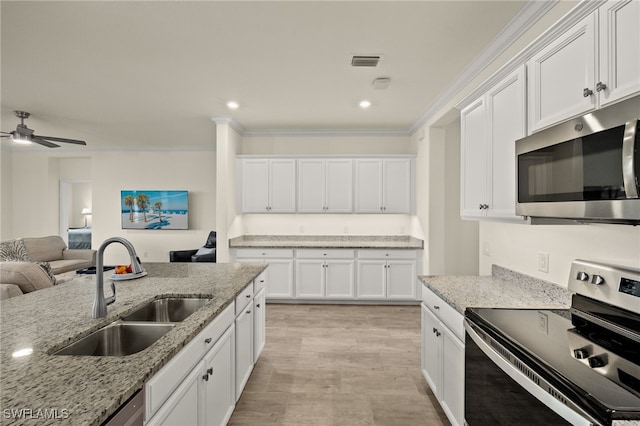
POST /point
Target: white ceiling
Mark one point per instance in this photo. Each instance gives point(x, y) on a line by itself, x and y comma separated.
point(150, 73)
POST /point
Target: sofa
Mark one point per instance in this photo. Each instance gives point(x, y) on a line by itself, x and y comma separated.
point(30, 264)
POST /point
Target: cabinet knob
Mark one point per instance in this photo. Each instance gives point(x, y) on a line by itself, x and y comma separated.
point(436, 307)
point(600, 86)
point(249, 312)
point(586, 92)
point(438, 333)
point(435, 330)
point(210, 370)
point(207, 340)
point(258, 305)
point(205, 377)
point(248, 296)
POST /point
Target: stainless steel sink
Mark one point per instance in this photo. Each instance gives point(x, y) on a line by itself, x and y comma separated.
point(170, 309)
point(117, 339)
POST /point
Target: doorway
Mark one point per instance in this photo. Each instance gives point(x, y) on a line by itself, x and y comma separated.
point(76, 213)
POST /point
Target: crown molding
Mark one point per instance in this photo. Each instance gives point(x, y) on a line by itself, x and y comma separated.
point(225, 119)
point(325, 132)
point(525, 19)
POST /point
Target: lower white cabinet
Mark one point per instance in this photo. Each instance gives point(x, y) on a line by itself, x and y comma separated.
point(244, 348)
point(387, 274)
point(325, 274)
point(202, 383)
point(442, 358)
point(278, 277)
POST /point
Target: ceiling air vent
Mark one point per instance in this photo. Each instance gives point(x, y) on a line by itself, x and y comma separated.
point(365, 61)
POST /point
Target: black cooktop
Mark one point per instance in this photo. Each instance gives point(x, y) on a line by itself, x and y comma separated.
point(596, 368)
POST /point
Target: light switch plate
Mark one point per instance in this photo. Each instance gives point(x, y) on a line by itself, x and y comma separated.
point(543, 262)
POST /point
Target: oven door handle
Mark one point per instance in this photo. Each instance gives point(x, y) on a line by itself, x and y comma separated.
point(573, 415)
point(629, 149)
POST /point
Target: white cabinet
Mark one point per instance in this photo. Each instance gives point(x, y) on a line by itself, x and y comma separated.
point(244, 348)
point(383, 185)
point(489, 128)
point(219, 381)
point(182, 391)
point(594, 63)
point(325, 274)
point(278, 276)
point(259, 324)
point(325, 185)
point(268, 185)
point(389, 275)
point(442, 358)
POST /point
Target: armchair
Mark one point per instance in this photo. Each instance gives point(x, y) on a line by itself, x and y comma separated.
point(206, 253)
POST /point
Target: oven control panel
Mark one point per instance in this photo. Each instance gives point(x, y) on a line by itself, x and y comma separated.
point(615, 285)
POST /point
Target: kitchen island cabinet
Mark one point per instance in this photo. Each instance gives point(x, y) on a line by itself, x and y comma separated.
point(90, 389)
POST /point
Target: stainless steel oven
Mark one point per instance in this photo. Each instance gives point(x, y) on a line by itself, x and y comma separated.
point(579, 366)
point(587, 169)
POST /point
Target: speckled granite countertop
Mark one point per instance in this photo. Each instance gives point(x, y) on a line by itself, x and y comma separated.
point(317, 241)
point(85, 390)
point(503, 289)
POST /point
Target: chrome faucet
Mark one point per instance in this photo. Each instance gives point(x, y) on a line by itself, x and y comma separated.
point(100, 303)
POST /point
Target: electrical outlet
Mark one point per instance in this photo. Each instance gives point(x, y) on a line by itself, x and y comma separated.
point(543, 262)
point(486, 249)
point(543, 323)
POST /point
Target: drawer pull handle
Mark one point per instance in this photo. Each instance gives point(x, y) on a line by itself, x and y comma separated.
point(207, 340)
point(249, 312)
point(436, 307)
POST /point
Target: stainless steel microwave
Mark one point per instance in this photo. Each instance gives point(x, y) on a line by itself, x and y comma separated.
point(586, 169)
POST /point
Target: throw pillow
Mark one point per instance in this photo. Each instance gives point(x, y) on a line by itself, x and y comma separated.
point(204, 250)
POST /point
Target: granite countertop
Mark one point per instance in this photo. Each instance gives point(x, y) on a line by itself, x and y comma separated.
point(87, 389)
point(503, 289)
point(318, 241)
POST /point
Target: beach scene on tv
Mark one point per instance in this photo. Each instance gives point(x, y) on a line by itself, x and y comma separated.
point(154, 209)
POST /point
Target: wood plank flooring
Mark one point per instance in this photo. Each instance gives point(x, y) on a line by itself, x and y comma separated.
point(339, 365)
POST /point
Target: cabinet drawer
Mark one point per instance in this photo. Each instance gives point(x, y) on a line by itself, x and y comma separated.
point(386, 254)
point(243, 299)
point(165, 381)
point(325, 254)
point(266, 253)
point(259, 282)
point(444, 312)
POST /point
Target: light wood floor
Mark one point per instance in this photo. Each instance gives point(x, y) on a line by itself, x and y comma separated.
point(339, 365)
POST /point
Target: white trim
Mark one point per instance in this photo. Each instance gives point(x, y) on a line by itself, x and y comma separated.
point(327, 156)
point(225, 119)
point(326, 132)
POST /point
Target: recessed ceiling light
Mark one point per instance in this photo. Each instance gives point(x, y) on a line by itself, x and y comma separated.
point(233, 105)
point(365, 104)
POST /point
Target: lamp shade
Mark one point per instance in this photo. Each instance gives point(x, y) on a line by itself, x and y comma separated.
point(86, 210)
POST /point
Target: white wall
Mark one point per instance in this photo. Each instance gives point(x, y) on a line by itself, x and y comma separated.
point(516, 246)
point(35, 195)
point(6, 194)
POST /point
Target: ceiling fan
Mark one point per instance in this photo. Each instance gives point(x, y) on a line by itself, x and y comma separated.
point(23, 134)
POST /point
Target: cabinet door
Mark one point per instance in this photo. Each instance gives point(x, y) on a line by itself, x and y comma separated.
point(452, 388)
point(255, 186)
point(219, 395)
point(559, 75)
point(310, 278)
point(401, 279)
point(244, 348)
point(259, 324)
point(339, 279)
point(368, 186)
point(311, 186)
point(371, 279)
point(431, 351)
point(279, 278)
point(397, 186)
point(619, 50)
point(339, 186)
point(506, 115)
point(282, 180)
point(182, 407)
point(473, 160)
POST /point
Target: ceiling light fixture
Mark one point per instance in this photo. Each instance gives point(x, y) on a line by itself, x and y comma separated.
point(381, 83)
point(233, 105)
point(364, 104)
point(21, 139)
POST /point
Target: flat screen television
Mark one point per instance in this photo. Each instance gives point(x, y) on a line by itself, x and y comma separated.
point(152, 209)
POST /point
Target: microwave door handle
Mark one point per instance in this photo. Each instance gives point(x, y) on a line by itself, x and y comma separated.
point(628, 161)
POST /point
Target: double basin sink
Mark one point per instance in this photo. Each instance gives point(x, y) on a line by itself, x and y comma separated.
point(136, 331)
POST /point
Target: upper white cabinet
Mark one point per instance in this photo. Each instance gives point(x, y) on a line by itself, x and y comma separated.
point(489, 128)
point(325, 186)
point(594, 63)
point(383, 185)
point(268, 185)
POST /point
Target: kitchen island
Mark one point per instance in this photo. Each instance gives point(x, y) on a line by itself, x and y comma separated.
point(41, 388)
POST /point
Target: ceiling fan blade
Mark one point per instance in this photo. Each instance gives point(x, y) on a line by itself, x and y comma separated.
point(5, 136)
point(39, 140)
point(75, 141)
point(6, 133)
